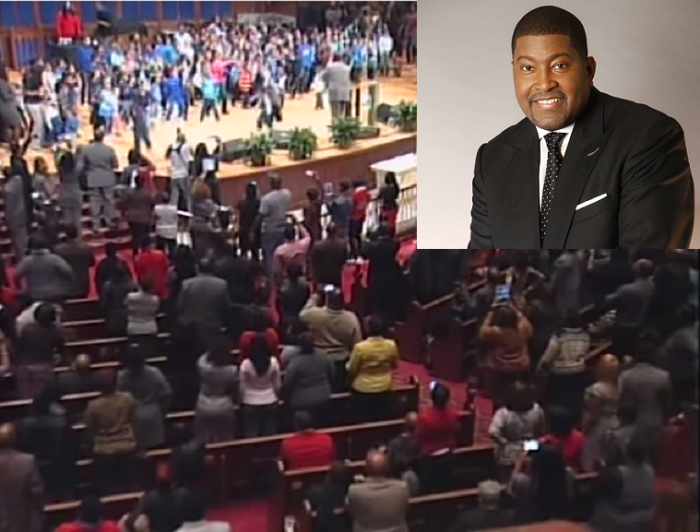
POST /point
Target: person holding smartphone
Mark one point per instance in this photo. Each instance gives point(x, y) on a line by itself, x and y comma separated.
point(505, 334)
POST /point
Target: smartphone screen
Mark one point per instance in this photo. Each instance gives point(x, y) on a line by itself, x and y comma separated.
point(531, 446)
point(503, 294)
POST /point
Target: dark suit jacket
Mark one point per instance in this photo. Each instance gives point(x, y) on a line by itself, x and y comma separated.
point(21, 504)
point(204, 302)
point(634, 154)
point(80, 258)
point(97, 162)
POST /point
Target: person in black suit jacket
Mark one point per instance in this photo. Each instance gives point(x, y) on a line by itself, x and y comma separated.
point(614, 173)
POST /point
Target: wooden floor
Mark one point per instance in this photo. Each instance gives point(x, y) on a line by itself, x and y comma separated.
point(240, 123)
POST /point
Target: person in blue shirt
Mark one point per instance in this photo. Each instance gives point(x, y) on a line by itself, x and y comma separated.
point(210, 93)
point(167, 51)
point(359, 61)
point(305, 56)
point(174, 95)
point(116, 58)
point(108, 107)
point(84, 60)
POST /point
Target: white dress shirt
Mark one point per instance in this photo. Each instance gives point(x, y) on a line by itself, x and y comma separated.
point(544, 153)
point(205, 526)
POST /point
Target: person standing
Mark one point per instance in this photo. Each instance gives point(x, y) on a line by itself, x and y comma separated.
point(335, 331)
point(44, 275)
point(272, 219)
point(70, 193)
point(80, 257)
point(336, 78)
point(97, 163)
point(214, 416)
point(380, 502)
point(260, 386)
point(370, 370)
point(138, 211)
point(249, 231)
point(16, 214)
point(110, 423)
point(152, 393)
point(142, 312)
point(600, 414)
point(180, 156)
point(33, 102)
point(21, 504)
point(166, 222)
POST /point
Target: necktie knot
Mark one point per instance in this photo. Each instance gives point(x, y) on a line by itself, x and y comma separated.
point(554, 141)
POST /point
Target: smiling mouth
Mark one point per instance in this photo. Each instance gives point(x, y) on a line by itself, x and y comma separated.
point(551, 103)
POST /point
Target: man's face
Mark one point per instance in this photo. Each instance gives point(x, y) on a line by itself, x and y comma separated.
point(548, 68)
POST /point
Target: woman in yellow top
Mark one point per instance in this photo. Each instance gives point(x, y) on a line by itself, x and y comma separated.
point(370, 373)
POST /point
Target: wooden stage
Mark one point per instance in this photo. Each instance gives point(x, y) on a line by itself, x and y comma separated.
point(331, 163)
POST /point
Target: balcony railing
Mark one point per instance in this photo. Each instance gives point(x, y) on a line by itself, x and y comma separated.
point(406, 219)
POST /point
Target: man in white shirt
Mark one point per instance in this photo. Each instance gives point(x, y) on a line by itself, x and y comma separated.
point(167, 218)
point(386, 45)
point(193, 511)
point(180, 156)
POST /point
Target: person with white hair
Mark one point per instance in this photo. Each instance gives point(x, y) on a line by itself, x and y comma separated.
point(489, 514)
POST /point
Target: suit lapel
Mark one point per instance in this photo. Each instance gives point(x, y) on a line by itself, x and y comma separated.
point(585, 146)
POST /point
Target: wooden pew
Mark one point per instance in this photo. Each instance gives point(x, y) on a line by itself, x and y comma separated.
point(410, 334)
point(446, 351)
point(81, 309)
point(430, 513)
point(236, 462)
point(94, 329)
point(97, 346)
point(406, 398)
point(473, 464)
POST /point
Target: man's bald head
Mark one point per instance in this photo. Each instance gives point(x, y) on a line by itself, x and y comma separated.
point(275, 181)
point(410, 421)
point(82, 362)
point(643, 268)
point(8, 436)
point(377, 464)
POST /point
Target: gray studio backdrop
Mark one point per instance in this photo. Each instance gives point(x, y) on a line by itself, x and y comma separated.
point(646, 50)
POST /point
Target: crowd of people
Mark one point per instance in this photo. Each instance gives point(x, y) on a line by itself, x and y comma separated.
point(141, 81)
point(631, 422)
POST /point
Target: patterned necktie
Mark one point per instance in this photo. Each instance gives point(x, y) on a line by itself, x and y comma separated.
point(554, 160)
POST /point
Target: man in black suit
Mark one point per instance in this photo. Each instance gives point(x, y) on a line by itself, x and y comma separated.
point(612, 173)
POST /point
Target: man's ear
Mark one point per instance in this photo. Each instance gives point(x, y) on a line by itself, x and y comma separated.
point(590, 69)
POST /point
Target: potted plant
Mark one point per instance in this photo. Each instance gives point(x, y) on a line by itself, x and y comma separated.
point(407, 116)
point(258, 149)
point(302, 144)
point(344, 131)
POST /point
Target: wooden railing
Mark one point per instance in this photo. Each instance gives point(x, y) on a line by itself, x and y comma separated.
point(405, 221)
